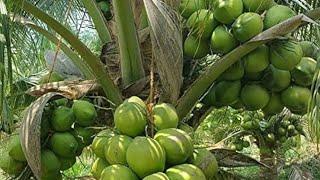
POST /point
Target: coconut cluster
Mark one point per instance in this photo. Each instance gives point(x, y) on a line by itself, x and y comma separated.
point(64, 133)
point(128, 153)
point(272, 76)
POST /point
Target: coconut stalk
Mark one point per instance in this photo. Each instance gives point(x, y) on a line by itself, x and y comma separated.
point(112, 92)
point(130, 55)
point(98, 19)
point(200, 86)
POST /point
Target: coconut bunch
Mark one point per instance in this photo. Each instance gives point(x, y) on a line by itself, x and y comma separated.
point(271, 77)
point(105, 7)
point(127, 152)
point(65, 132)
point(275, 132)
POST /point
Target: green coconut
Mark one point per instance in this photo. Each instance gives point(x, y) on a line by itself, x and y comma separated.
point(64, 144)
point(257, 6)
point(11, 166)
point(145, 156)
point(116, 148)
point(136, 99)
point(195, 47)
point(222, 41)
point(188, 7)
point(185, 172)
point(84, 112)
point(66, 163)
point(98, 166)
point(303, 73)
point(16, 151)
point(247, 26)
point(257, 60)
point(51, 77)
point(285, 54)
point(254, 97)
point(118, 172)
point(164, 116)
point(201, 23)
point(99, 142)
point(225, 93)
point(206, 161)
point(49, 162)
point(176, 143)
point(233, 73)
point(274, 105)
point(157, 176)
point(130, 119)
point(226, 11)
point(62, 119)
point(276, 15)
point(275, 79)
point(309, 49)
point(296, 99)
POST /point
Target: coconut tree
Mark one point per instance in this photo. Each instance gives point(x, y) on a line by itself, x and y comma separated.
point(147, 37)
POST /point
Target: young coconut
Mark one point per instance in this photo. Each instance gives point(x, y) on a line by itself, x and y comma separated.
point(285, 54)
point(303, 73)
point(254, 97)
point(276, 15)
point(275, 79)
point(247, 26)
point(201, 23)
point(226, 11)
point(257, 60)
point(257, 6)
point(296, 99)
point(222, 41)
point(195, 47)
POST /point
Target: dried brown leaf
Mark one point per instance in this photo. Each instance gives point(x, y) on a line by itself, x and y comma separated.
point(166, 40)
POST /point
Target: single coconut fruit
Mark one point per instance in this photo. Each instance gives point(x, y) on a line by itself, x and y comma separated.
point(303, 73)
point(222, 41)
point(187, 7)
point(185, 172)
point(257, 6)
point(145, 156)
point(195, 47)
point(116, 148)
point(130, 119)
point(201, 23)
point(276, 15)
point(226, 11)
point(254, 97)
point(257, 60)
point(165, 116)
point(157, 176)
point(285, 54)
point(205, 160)
point(296, 99)
point(64, 144)
point(84, 112)
point(118, 172)
point(62, 119)
point(275, 79)
point(98, 166)
point(247, 26)
point(177, 144)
